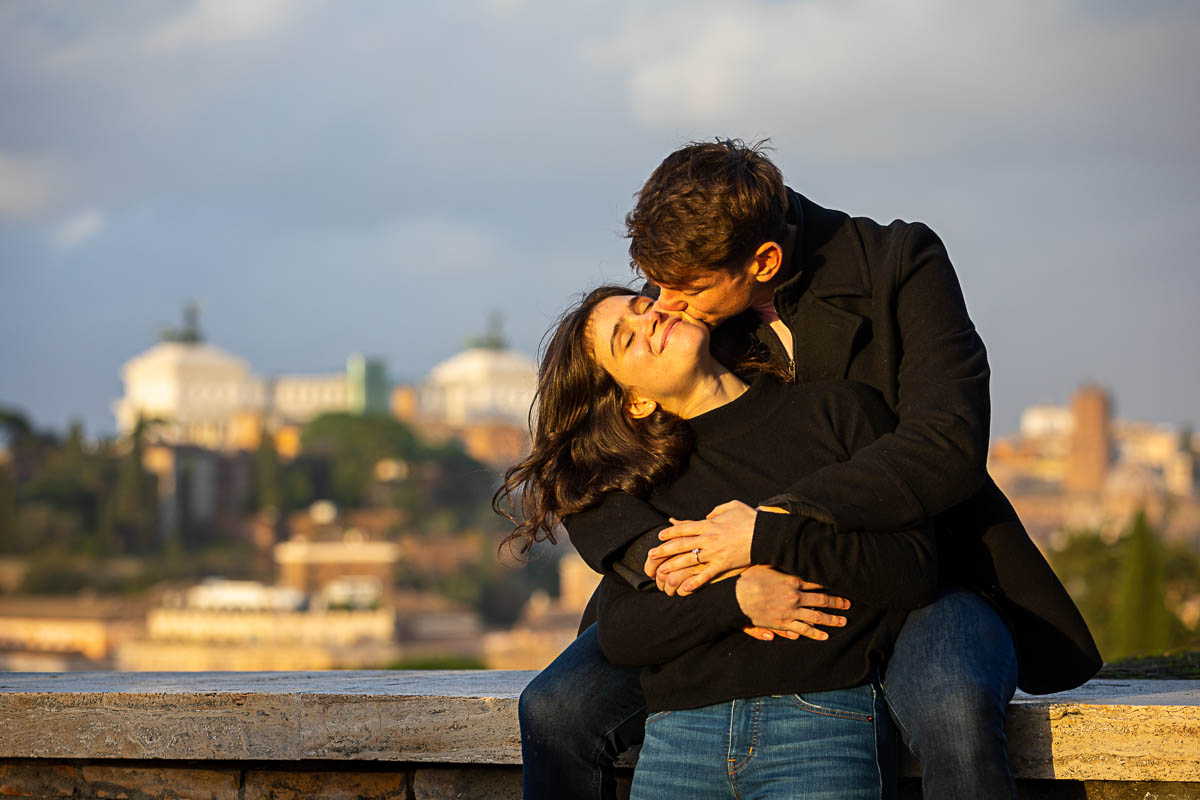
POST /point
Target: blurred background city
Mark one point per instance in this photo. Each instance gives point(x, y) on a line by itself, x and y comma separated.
point(273, 277)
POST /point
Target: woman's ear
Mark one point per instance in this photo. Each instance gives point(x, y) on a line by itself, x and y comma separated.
point(639, 407)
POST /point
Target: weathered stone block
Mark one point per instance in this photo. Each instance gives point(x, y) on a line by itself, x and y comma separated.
point(157, 783)
point(26, 779)
point(477, 730)
point(467, 783)
point(152, 725)
point(1109, 730)
point(336, 785)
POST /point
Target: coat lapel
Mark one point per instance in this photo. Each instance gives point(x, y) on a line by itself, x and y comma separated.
point(830, 262)
point(824, 339)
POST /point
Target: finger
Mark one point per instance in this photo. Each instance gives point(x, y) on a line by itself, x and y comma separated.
point(675, 547)
point(652, 565)
point(671, 581)
point(721, 509)
point(676, 563)
point(693, 583)
point(784, 633)
point(820, 600)
point(767, 634)
point(683, 527)
point(813, 617)
point(809, 586)
point(759, 633)
point(807, 631)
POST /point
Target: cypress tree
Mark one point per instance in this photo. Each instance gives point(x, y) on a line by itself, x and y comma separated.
point(266, 474)
point(1141, 621)
point(8, 510)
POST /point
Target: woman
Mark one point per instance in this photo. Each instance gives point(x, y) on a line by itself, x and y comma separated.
point(631, 400)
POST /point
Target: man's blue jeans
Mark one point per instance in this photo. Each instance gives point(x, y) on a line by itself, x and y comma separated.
point(749, 748)
point(951, 675)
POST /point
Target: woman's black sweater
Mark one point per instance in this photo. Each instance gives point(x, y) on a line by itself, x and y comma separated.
point(693, 650)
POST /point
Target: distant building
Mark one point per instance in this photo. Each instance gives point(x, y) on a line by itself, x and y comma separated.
point(198, 394)
point(198, 489)
point(480, 396)
point(1090, 452)
point(341, 568)
point(480, 385)
point(1076, 468)
point(194, 389)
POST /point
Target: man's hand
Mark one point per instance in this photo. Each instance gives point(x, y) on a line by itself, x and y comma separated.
point(722, 538)
point(776, 602)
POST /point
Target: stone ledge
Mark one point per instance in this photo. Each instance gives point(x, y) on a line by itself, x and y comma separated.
point(1108, 730)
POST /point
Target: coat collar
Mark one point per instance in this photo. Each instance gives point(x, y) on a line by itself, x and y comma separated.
point(828, 258)
point(827, 261)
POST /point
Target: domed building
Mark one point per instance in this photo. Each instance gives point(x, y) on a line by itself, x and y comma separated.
point(194, 389)
point(480, 396)
point(486, 383)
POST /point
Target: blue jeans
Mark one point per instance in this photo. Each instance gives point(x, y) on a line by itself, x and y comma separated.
point(748, 748)
point(951, 675)
point(948, 683)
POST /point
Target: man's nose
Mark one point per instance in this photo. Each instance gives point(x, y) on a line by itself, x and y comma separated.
point(671, 300)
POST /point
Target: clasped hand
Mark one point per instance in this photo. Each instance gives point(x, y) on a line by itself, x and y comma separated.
point(777, 604)
point(723, 540)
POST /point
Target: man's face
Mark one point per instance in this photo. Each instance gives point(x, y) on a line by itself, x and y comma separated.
point(713, 299)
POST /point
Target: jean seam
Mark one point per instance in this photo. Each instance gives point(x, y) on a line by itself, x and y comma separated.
point(742, 763)
point(828, 712)
point(875, 723)
point(906, 734)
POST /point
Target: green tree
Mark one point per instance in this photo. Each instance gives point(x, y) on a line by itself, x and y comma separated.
point(267, 492)
point(1088, 567)
point(355, 444)
point(1141, 621)
point(134, 498)
point(8, 510)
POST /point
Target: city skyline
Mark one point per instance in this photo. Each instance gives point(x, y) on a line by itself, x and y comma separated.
point(325, 179)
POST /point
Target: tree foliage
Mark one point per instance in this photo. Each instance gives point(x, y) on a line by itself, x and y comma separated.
point(1131, 592)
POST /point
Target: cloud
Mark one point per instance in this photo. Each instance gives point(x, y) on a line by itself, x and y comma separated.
point(217, 21)
point(28, 185)
point(78, 229)
point(415, 244)
point(883, 79)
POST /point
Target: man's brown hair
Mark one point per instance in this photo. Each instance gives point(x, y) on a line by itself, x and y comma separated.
point(708, 206)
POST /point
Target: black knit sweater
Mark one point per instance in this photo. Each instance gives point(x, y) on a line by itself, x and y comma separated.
point(692, 648)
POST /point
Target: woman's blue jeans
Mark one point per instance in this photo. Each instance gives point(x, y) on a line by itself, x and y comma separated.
point(817, 746)
point(951, 675)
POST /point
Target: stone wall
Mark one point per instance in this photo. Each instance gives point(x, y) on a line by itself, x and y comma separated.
point(435, 735)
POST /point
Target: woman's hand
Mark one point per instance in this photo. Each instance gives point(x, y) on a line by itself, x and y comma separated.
point(783, 604)
point(723, 540)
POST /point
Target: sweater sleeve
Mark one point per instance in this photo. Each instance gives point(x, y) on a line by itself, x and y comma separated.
point(606, 532)
point(895, 570)
point(936, 456)
point(640, 628)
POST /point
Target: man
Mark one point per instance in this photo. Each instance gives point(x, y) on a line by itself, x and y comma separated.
point(832, 297)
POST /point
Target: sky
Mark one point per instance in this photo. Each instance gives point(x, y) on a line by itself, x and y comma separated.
point(324, 178)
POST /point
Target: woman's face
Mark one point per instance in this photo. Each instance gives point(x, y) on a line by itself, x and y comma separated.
point(653, 354)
